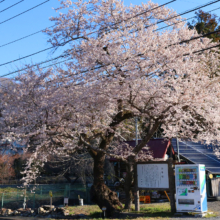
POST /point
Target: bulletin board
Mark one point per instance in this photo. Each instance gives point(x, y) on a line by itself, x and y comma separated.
point(152, 176)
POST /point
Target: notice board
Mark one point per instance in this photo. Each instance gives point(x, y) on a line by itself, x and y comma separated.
point(152, 176)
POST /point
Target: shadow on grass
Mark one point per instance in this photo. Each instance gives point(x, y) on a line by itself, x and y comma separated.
point(95, 215)
point(133, 215)
point(159, 214)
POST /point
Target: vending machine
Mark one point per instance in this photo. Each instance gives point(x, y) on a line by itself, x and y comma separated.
point(191, 188)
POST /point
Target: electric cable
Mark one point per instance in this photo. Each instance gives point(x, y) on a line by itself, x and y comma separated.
point(88, 33)
point(61, 56)
point(99, 67)
point(113, 24)
point(183, 13)
point(194, 38)
point(197, 51)
point(24, 12)
point(26, 36)
point(26, 56)
point(185, 20)
point(35, 65)
point(11, 6)
point(2, 1)
point(76, 37)
point(28, 68)
point(96, 31)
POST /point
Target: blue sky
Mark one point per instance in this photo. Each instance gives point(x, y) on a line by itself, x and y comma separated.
point(38, 19)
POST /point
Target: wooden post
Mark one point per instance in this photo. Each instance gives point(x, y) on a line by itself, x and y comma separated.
point(171, 185)
point(51, 195)
point(136, 191)
point(51, 203)
point(2, 200)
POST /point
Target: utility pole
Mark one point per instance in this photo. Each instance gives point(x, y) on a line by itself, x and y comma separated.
point(136, 192)
point(136, 131)
point(178, 149)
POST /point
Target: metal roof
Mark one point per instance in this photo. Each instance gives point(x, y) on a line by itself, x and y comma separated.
point(199, 153)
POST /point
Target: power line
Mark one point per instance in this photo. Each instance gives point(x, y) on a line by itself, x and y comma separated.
point(88, 33)
point(197, 51)
point(194, 38)
point(24, 12)
point(183, 13)
point(2, 1)
point(76, 37)
point(26, 56)
point(25, 36)
point(186, 12)
point(56, 63)
point(119, 22)
point(111, 25)
point(33, 65)
point(99, 67)
point(11, 6)
point(143, 13)
point(185, 20)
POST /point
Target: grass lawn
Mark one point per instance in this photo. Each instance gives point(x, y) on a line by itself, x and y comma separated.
point(10, 190)
point(147, 211)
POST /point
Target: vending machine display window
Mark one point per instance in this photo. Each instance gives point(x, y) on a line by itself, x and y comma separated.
point(187, 176)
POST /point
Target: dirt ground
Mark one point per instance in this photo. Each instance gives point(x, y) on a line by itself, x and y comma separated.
point(214, 206)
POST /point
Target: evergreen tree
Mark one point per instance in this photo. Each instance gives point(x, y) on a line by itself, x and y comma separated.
point(206, 23)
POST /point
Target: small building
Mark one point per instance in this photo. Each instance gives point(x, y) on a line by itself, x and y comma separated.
point(161, 149)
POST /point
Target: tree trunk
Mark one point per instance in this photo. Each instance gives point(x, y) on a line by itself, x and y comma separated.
point(100, 193)
point(127, 186)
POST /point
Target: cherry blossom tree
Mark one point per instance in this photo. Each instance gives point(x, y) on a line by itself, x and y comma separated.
point(121, 67)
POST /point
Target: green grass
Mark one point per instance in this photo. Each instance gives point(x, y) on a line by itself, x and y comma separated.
point(86, 210)
point(155, 210)
point(211, 215)
point(10, 190)
point(147, 211)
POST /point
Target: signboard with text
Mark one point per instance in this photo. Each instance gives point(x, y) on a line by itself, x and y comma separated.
point(152, 176)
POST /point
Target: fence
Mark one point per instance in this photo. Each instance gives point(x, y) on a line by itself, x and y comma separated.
point(12, 196)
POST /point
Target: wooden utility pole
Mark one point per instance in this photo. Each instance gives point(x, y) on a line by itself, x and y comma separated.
point(171, 184)
point(136, 191)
